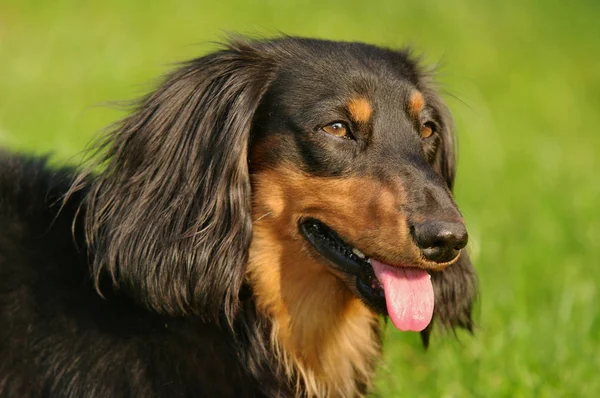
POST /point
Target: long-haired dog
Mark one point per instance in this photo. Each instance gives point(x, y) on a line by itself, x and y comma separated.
point(241, 233)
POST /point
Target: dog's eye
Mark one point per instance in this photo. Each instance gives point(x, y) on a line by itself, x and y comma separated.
point(339, 129)
point(427, 129)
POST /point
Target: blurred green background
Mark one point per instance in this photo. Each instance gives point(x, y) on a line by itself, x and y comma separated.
point(523, 81)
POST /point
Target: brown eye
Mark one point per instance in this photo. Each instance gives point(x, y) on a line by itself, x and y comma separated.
point(427, 129)
point(338, 129)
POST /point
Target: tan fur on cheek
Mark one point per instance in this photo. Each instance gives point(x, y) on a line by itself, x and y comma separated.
point(325, 337)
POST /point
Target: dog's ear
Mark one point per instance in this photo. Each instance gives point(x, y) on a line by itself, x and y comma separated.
point(168, 216)
point(455, 287)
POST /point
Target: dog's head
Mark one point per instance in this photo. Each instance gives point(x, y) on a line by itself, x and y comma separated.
point(297, 166)
point(352, 163)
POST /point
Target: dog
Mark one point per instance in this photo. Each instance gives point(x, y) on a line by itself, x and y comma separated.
point(245, 232)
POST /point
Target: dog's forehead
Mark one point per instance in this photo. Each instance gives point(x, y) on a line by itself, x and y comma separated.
point(348, 56)
point(348, 73)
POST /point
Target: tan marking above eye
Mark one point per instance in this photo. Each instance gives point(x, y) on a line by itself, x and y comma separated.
point(427, 130)
point(360, 109)
point(338, 129)
point(416, 102)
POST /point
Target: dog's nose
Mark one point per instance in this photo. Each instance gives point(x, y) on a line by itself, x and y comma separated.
point(440, 241)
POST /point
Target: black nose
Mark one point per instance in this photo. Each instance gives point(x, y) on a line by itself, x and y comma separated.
point(440, 241)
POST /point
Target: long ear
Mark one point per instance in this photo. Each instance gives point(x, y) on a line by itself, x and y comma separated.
point(455, 288)
point(168, 218)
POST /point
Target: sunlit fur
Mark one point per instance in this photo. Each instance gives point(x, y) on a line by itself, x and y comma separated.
point(172, 265)
point(326, 337)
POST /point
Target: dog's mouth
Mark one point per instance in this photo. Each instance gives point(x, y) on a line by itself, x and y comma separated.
point(403, 293)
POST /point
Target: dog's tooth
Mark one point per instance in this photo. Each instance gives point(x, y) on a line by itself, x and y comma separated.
point(369, 260)
point(358, 252)
point(429, 276)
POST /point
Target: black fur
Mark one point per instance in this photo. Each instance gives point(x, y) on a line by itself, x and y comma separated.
point(129, 281)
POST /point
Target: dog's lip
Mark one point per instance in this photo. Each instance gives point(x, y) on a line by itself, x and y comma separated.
point(309, 226)
point(329, 244)
point(346, 259)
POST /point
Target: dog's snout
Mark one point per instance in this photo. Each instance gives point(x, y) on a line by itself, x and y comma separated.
point(440, 241)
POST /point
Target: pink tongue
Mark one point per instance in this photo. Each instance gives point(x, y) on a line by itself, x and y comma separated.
point(408, 295)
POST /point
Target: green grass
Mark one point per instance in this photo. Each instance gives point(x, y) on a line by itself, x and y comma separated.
point(527, 78)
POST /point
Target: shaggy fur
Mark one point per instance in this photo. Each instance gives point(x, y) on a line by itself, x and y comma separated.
point(175, 267)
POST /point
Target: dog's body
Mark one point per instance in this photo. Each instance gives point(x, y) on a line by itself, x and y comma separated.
point(60, 338)
point(235, 241)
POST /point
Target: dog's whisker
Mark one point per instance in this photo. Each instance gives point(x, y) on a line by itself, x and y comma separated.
point(263, 216)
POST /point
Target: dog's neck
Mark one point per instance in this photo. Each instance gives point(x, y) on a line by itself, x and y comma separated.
point(324, 338)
